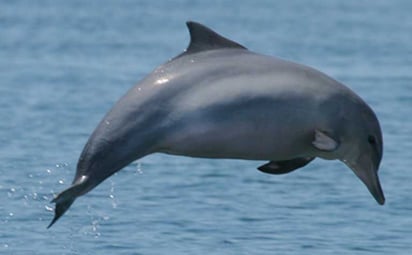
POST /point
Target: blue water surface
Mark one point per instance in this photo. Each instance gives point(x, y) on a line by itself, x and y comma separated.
point(64, 63)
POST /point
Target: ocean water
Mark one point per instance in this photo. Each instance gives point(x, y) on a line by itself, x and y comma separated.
point(64, 63)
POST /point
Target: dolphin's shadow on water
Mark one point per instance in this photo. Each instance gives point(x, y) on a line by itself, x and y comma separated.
point(219, 100)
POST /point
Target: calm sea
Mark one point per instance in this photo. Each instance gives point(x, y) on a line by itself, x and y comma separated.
point(64, 63)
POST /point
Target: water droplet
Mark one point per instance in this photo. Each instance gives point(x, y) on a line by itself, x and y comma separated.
point(61, 165)
point(61, 181)
point(11, 214)
point(95, 225)
point(10, 193)
point(48, 208)
point(139, 168)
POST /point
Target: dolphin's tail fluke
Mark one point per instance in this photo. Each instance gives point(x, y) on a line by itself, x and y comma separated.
point(62, 204)
point(66, 198)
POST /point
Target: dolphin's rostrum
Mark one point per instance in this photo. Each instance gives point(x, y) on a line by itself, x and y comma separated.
point(219, 100)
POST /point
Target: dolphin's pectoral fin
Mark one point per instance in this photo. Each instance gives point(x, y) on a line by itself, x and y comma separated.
point(284, 166)
point(324, 141)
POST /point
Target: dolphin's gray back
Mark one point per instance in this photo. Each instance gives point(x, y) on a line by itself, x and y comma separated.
point(209, 77)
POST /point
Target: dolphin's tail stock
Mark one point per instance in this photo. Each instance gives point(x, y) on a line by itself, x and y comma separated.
point(66, 198)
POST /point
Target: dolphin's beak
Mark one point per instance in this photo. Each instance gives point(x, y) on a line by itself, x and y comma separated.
point(369, 176)
point(374, 186)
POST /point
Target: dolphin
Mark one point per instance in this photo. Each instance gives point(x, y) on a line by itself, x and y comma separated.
point(218, 99)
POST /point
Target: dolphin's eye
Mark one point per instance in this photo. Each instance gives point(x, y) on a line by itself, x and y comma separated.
point(371, 139)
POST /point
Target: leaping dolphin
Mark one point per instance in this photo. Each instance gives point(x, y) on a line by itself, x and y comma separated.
point(219, 100)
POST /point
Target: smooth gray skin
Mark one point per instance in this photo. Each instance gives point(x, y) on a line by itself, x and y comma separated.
point(219, 100)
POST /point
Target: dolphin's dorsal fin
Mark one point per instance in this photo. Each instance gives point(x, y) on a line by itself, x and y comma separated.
point(203, 38)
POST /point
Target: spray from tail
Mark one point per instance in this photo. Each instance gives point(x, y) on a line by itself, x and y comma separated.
point(66, 198)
